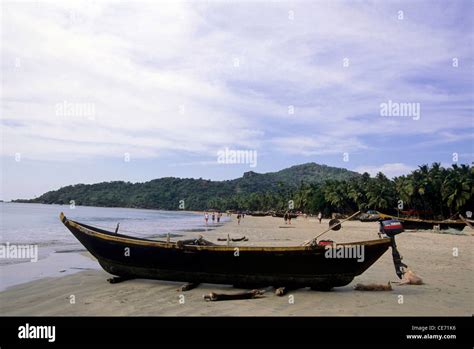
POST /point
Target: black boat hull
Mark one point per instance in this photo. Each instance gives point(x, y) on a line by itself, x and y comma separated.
point(410, 225)
point(418, 224)
point(297, 266)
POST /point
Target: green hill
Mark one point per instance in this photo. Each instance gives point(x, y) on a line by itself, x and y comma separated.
point(251, 191)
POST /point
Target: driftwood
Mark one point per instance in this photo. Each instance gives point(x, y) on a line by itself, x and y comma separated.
point(243, 238)
point(373, 287)
point(213, 296)
point(188, 286)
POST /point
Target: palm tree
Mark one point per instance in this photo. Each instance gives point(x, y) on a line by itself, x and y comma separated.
point(436, 178)
point(357, 191)
point(381, 193)
point(457, 189)
point(335, 194)
point(302, 197)
point(405, 189)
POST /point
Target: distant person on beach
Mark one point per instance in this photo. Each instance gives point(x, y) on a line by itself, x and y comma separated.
point(206, 217)
point(238, 218)
point(289, 217)
point(320, 217)
point(219, 215)
point(213, 217)
point(285, 217)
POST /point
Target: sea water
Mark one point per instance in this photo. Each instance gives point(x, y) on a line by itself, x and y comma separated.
point(59, 252)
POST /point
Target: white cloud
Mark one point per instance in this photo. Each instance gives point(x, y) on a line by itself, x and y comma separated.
point(317, 145)
point(162, 77)
point(390, 170)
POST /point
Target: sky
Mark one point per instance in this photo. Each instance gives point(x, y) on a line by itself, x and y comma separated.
point(111, 90)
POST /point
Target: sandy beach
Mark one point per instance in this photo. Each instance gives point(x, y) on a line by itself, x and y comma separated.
point(447, 291)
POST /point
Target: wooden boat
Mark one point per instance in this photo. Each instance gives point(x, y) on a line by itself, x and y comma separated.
point(369, 216)
point(258, 214)
point(414, 223)
point(282, 214)
point(203, 262)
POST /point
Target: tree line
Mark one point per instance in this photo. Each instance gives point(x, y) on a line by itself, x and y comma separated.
point(429, 191)
point(432, 191)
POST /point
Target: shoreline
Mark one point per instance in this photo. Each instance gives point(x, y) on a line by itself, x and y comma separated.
point(447, 289)
point(59, 260)
point(73, 261)
point(117, 207)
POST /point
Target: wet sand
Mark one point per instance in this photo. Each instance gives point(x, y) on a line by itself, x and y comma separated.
point(448, 288)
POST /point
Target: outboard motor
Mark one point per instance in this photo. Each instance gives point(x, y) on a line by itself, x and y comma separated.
point(391, 228)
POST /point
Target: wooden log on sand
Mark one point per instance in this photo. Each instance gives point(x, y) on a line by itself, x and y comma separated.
point(243, 238)
point(213, 296)
point(373, 287)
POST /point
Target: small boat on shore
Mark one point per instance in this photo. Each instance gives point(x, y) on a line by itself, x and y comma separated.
point(258, 214)
point(422, 224)
point(282, 215)
point(369, 216)
point(201, 261)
